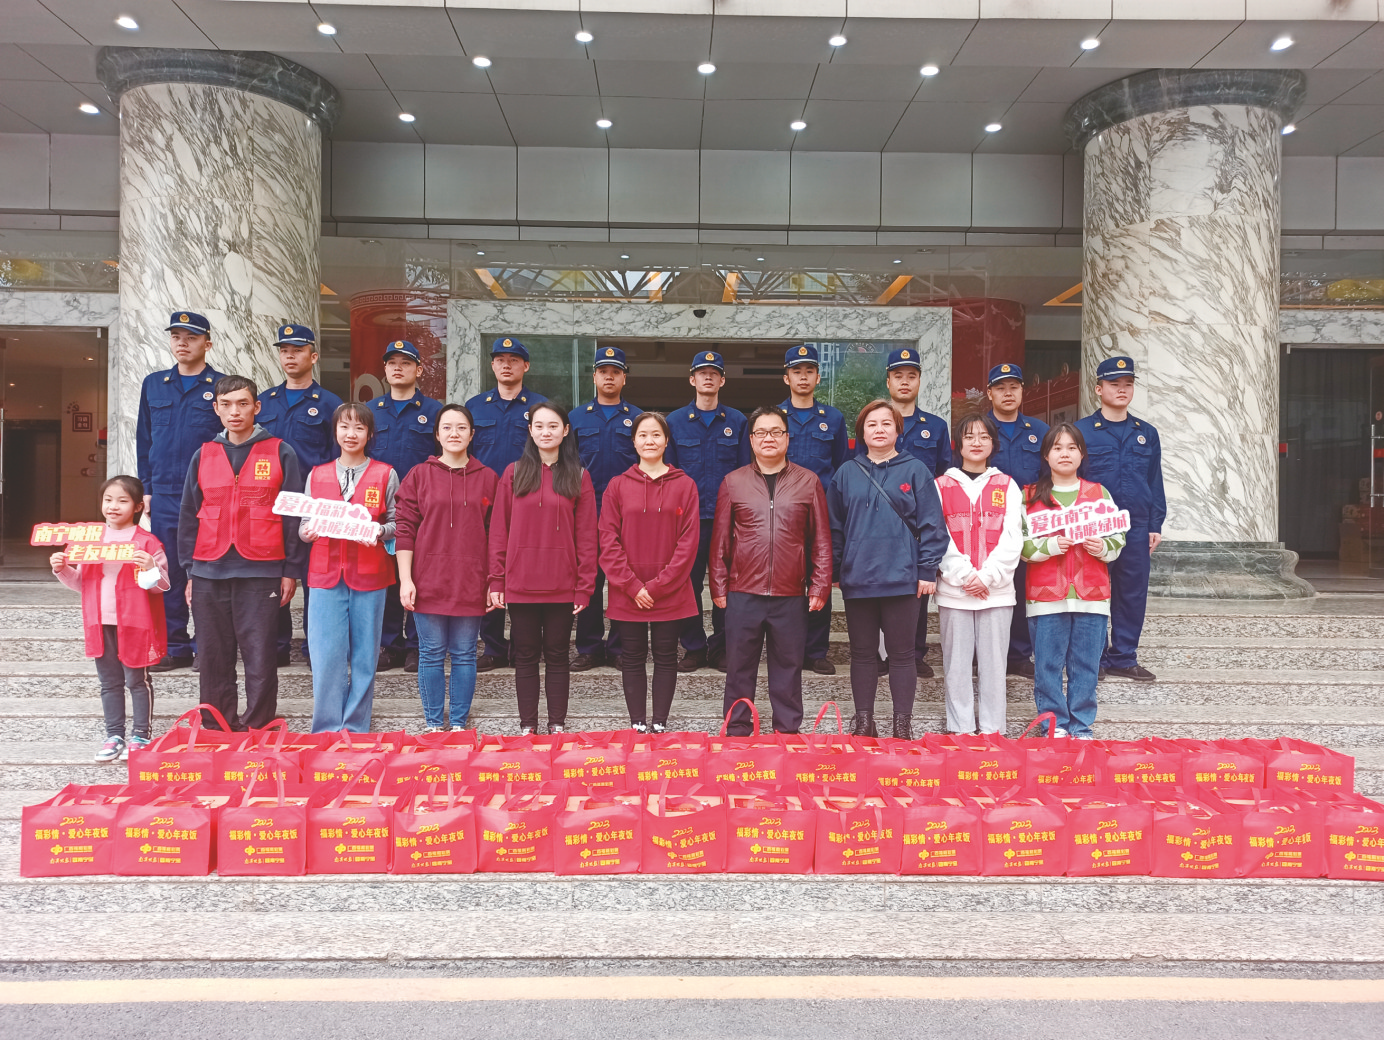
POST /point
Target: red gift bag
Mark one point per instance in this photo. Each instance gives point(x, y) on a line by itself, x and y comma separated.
point(1024, 835)
point(1354, 827)
point(1281, 836)
point(598, 832)
point(746, 760)
point(72, 833)
point(1110, 832)
point(594, 759)
point(259, 839)
point(430, 757)
point(905, 766)
point(1291, 764)
point(770, 830)
point(1198, 838)
point(1230, 767)
point(435, 835)
point(857, 833)
point(165, 834)
point(263, 754)
point(684, 831)
point(1130, 763)
point(183, 755)
point(515, 829)
point(833, 759)
point(941, 835)
point(679, 757)
point(976, 762)
point(349, 831)
point(343, 755)
point(511, 760)
point(1056, 762)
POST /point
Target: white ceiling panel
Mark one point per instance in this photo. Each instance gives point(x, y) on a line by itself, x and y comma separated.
point(653, 123)
point(1029, 129)
point(760, 82)
point(961, 83)
point(866, 82)
point(273, 27)
point(1248, 46)
point(651, 79)
point(15, 63)
point(28, 21)
point(849, 126)
point(76, 64)
point(773, 40)
point(53, 106)
point(911, 41)
point(1067, 85)
point(1374, 147)
point(1368, 91)
point(1002, 42)
point(343, 71)
point(161, 23)
point(1334, 129)
point(1155, 44)
point(761, 125)
point(13, 123)
point(943, 127)
point(391, 30)
point(518, 34)
point(457, 118)
point(571, 78)
point(1365, 51)
point(371, 115)
point(648, 37)
point(452, 73)
point(556, 122)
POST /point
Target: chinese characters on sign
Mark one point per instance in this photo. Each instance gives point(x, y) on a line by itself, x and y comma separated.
point(1079, 522)
point(83, 542)
point(330, 519)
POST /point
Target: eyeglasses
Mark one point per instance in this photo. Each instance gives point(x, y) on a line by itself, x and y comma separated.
point(976, 438)
point(766, 434)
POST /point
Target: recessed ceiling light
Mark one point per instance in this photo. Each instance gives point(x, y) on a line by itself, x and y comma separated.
point(1090, 44)
point(797, 124)
point(929, 70)
point(898, 261)
point(991, 128)
point(837, 41)
point(481, 61)
point(760, 259)
point(624, 256)
point(1281, 44)
point(1288, 129)
point(326, 29)
point(406, 117)
point(604, 124)
point(126, 22)
point(89, 108)
point(584, 37)
point(706, 68)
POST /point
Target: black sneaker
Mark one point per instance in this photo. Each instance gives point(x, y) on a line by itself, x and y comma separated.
point(718, 660)
point(1023, 668)
point(659, 727)
point(639, 727)
point(386, 661)
point(411, 661)
point(1138, 673)
point(692, 660)
point(924, 669)
point(586, 662)
point(820, 665)
point(285, 658)
point(168, 663)
point(489, 662)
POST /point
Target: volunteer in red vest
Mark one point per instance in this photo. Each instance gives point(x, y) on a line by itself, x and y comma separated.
point(984, 510)
point(1068, 589)
point(348, 578)
point(244, 560)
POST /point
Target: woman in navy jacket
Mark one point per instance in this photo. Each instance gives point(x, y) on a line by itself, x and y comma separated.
point(887, 538)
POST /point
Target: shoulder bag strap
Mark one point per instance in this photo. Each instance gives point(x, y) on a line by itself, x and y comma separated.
point(865, 468)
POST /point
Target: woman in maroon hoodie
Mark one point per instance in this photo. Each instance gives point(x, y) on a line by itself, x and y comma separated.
point(649, 530)
point(442, 510)
point(543, 559)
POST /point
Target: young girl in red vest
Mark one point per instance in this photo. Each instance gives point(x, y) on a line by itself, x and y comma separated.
point(122, 615)
point(975, 581)
point(1068, 590)
point(348, 579)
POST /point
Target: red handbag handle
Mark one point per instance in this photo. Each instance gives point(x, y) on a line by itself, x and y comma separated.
point(1050, 716)
point(840, 729)
point(753, 711)
point(278, 728)
point(335, 803)
point(193, 717)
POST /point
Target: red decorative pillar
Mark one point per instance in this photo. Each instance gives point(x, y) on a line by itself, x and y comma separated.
point(383, 315)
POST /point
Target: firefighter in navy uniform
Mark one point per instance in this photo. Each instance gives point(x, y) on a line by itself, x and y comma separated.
point(818, 441)
point(177, 415)
point(709, 440)
point(604, 427)
point(404, 425)
point(1124, 454)
point(299, 411)
point(1018, 455)
point(502, 428)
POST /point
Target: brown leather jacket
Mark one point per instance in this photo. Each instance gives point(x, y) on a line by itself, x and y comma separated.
point(783, 550)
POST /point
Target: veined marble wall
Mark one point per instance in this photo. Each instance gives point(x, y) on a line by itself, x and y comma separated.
point(472, 324)
point(220, 213)
point(1181, 274)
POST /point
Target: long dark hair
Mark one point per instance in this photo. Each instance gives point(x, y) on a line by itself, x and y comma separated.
point(967, 421)
point(1042, 490)
point(528, 471)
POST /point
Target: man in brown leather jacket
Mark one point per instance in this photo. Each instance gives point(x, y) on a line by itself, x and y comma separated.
point(770, 564)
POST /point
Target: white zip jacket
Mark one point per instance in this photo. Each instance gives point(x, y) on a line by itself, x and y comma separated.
point(998, 570)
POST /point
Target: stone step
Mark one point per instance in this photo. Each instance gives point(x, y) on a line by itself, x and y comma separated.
point(1219, 652)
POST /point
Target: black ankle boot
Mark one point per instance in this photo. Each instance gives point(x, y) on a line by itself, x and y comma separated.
point(863, 724)
point(903, 727)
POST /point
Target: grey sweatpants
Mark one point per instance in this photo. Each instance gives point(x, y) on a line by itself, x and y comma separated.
point(981, 636)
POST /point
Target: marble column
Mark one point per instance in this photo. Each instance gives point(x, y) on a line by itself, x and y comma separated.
point(1180, 272)
point(220, 208)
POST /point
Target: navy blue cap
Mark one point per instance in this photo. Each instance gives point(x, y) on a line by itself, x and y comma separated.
point(509, 345)
point(610, 356)
point(901, 358)
point(804, 355)
point(404, 347)
point(295, 336)
point(1113, 367)
point(708, 359)
point(1005, 371)
point(192, 322)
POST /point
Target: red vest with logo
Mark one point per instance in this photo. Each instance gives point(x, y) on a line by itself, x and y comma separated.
point(1050, 580)
point(238, 510)
point(975, 527)
point(141, 634)
point(363, 567)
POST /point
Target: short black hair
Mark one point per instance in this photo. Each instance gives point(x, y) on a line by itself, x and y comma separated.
point(230, 384)
point(768, 409)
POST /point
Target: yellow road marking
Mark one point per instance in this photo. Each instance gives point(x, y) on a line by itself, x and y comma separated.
point(659, 987)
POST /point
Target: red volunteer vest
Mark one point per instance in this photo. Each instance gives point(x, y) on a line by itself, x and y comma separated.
point(141, 635)
point(239, 510)
point(1050, 580)
point(363, 567)
point(975, 527)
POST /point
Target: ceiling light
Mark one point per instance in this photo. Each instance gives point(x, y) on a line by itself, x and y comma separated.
point(797, 124)
point(126, 22)
point(480, 252)
point(706, 68)
point(481, 61)
point(604, 124)
point(624, 256)
point(929, 70)
point(406, 117)
point(1288, 129)
point(760, 259)
point(326, 28)
point(991, 128)
point(1281, 44)
point(89, 108)
point(584, 37)
point(898, 261)
point(837, 41)
point(1090, 45)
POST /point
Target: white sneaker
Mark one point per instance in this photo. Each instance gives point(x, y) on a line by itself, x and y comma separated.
point(111, 750)
point(1085, 736)
point(1058, 731)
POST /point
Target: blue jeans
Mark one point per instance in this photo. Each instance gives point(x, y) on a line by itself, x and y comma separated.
point(1072, 641)
point(163, 523)
point(344, 641)
point(438, 636)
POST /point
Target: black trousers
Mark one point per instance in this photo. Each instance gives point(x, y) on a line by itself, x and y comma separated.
point(750, 620)
point(920, 642)
point(635, 637)
point(897, 618)
point(541, 629)
point(286, 623)
point(694, 637)
point(238, 614)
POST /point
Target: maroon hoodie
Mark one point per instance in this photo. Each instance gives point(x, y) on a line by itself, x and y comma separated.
point(543, 546)
point(649, 531)
point(442, 515)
